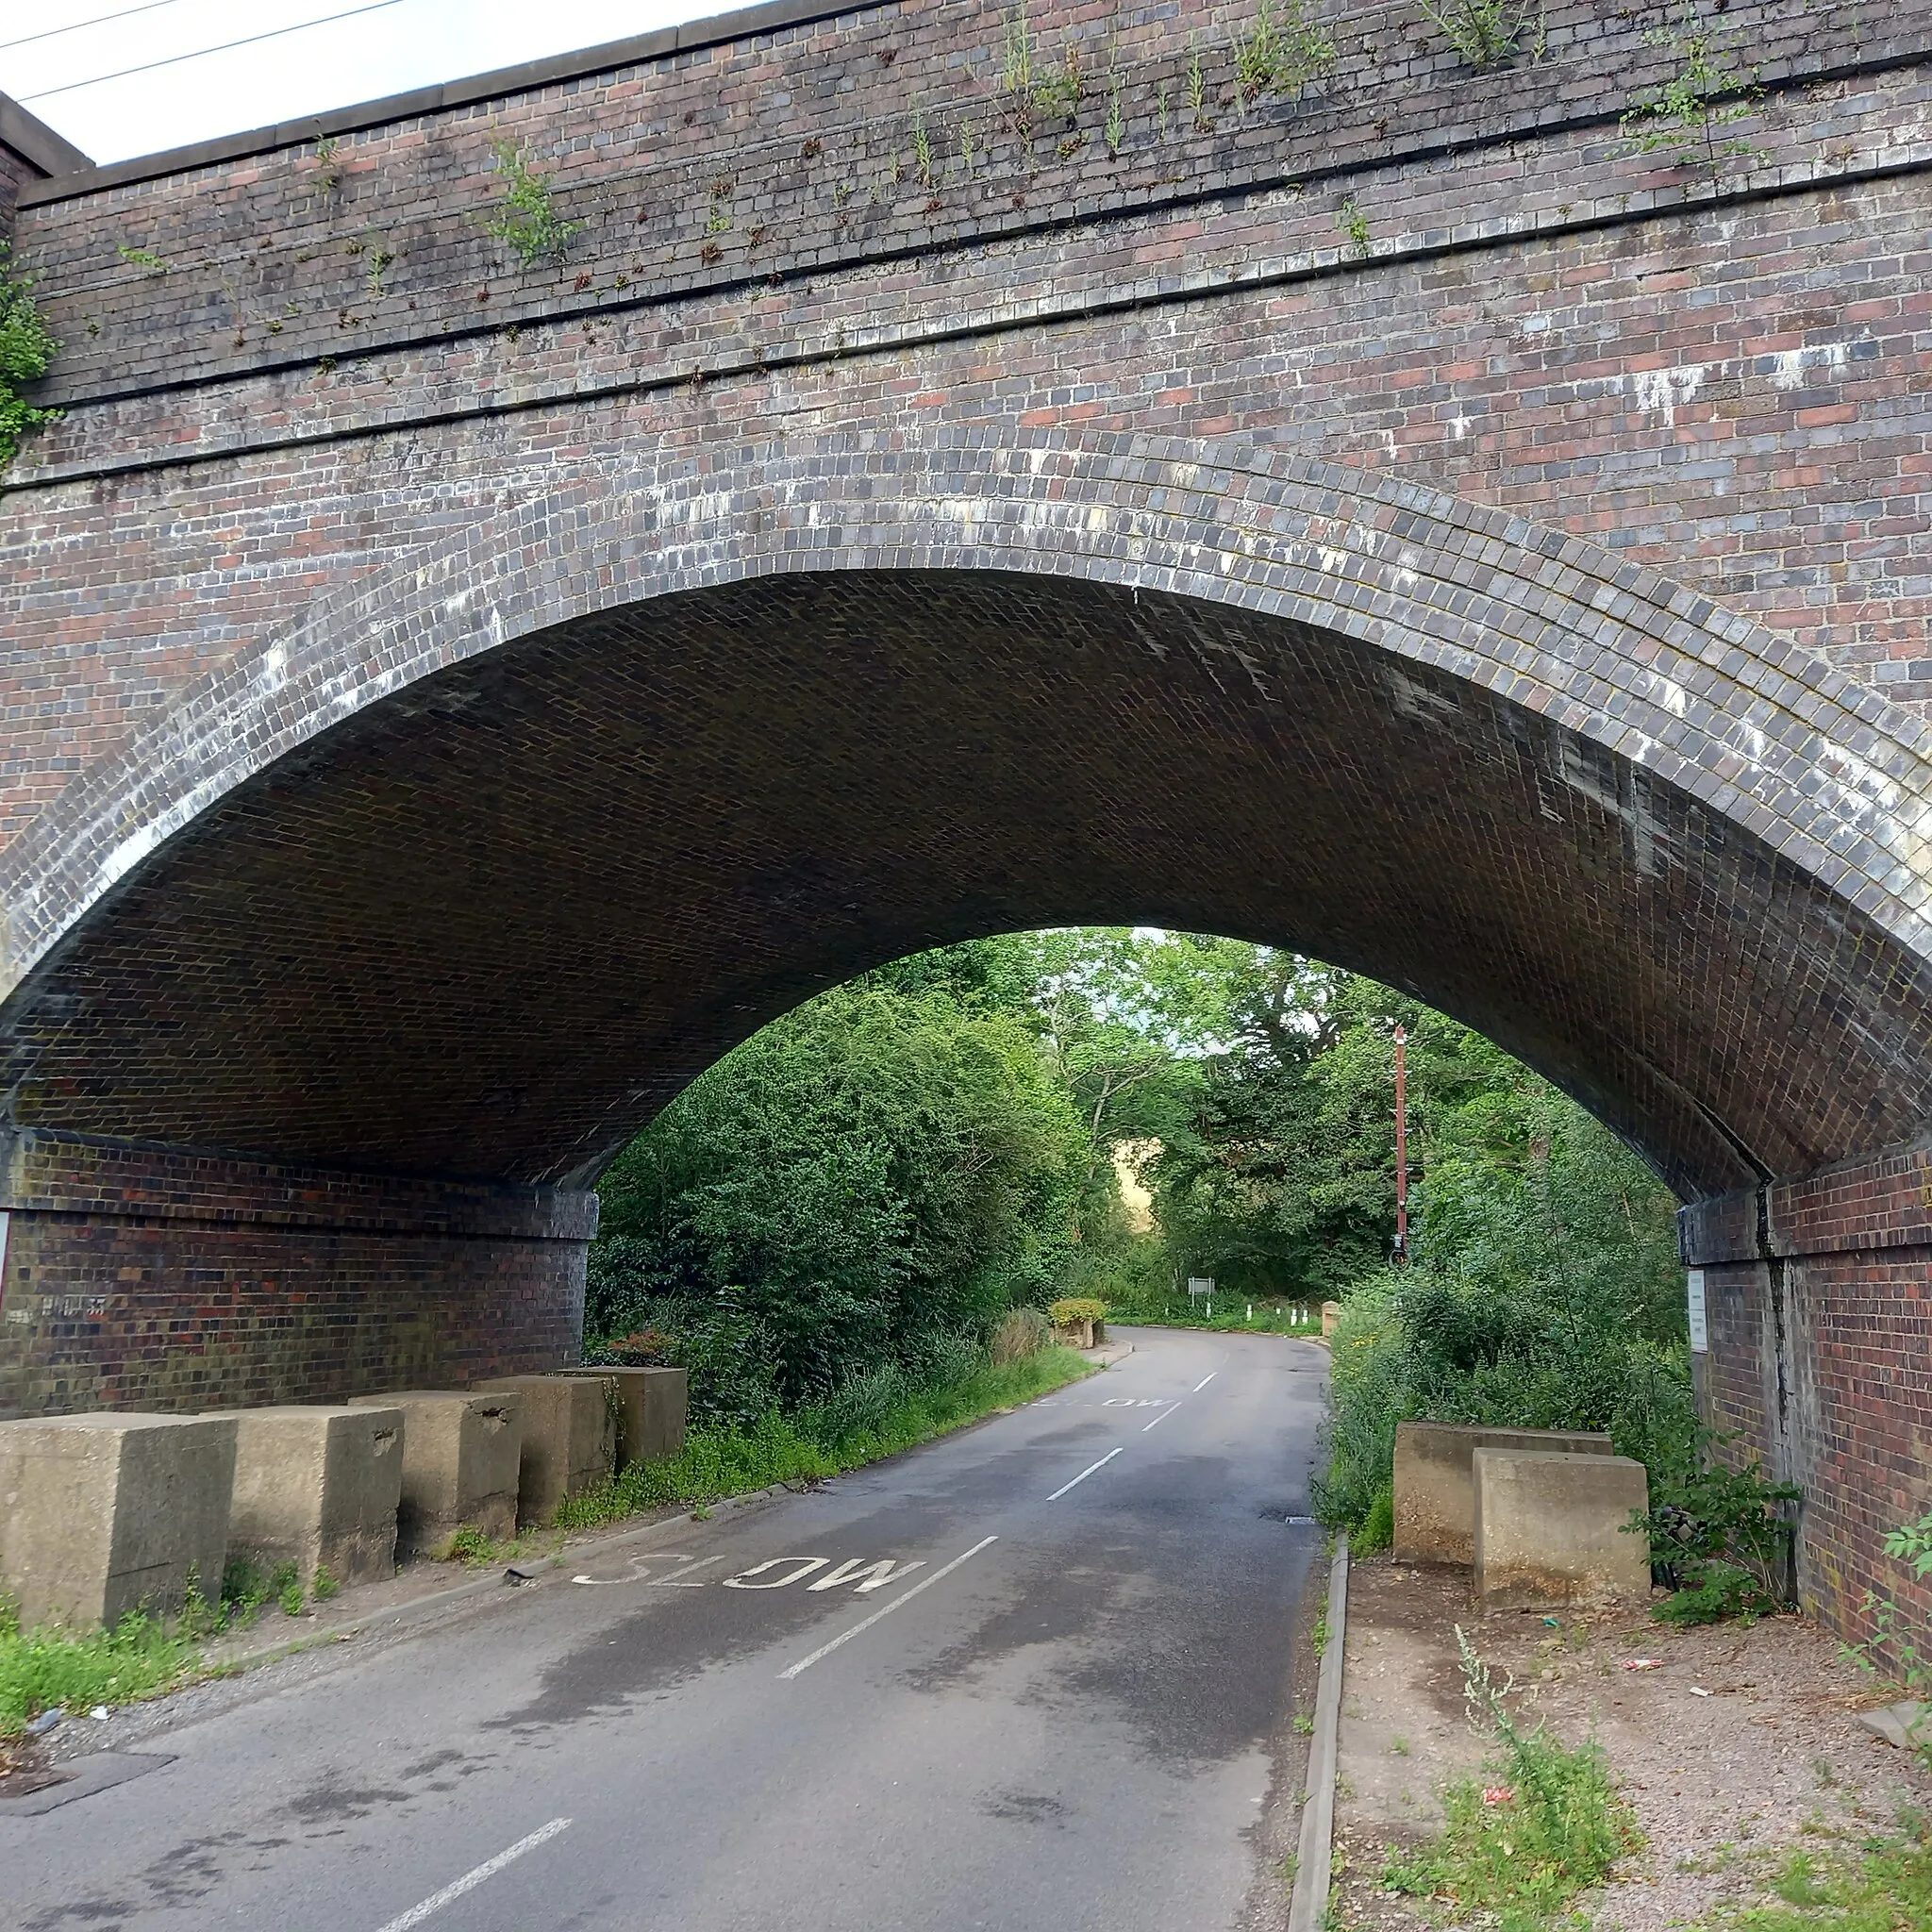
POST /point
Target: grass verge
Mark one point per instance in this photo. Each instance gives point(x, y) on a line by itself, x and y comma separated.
point(1231, 1316)
point(728, 1462)
point(1519, 1844)
point(1885, 1886)
point(41, 1669)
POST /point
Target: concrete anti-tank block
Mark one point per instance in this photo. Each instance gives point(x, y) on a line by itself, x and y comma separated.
point(461, 1452)
point(652, 1405)
point(319, 1487)
point(1555, 1528)
point(1331, 1318)
point(101, 1515)
point(570, 1438)
point(1434, 1491)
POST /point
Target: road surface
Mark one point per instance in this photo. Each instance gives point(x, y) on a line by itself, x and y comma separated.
point(1037, 1677)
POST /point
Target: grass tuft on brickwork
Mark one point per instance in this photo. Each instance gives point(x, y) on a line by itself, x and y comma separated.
point(857, 1426)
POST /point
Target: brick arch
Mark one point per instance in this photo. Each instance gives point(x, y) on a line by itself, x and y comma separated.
point(1732, 813)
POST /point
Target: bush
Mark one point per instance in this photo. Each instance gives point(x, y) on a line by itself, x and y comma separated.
point(1073, 1308)
point(1378, 1531)
point(1717, 1537)
point(1418, 1345)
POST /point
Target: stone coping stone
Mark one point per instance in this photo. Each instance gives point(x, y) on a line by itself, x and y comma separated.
point(318, 1487)
point(102, 1515)
point(570, 1439)
point(462, 1453)
point(1554, 1529)
point(1434, 1490)
point(652, 1405)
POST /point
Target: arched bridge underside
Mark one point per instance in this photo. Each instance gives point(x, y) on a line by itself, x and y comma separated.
point(335, 985)
point(474, 870)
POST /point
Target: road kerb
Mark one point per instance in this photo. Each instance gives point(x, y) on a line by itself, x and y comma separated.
point(1311, 1900)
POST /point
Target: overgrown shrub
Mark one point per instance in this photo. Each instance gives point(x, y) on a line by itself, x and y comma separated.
point(27, 349)
point(1720, 1538)
point(1020, 1332)
point(1073, 1308)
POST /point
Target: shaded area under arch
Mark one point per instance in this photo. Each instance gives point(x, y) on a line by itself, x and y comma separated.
point(486, 926)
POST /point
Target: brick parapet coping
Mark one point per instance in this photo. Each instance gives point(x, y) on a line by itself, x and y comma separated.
point(56, 1174)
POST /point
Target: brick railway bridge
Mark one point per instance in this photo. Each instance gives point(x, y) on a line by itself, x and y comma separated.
point(448, 700)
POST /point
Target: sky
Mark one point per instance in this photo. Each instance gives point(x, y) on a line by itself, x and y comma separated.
point(380, 50)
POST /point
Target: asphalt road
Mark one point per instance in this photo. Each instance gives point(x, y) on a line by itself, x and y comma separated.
point(1067, 1705)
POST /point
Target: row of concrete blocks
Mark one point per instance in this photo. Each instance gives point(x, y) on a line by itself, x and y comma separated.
point(1541, 1515)
point(104, 1514)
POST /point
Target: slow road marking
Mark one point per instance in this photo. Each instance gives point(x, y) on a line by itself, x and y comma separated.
point(805, 1663)
point(471, 1880)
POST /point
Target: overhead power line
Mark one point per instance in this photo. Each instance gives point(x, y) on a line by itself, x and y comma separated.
point(54, 33)
point(46, 93)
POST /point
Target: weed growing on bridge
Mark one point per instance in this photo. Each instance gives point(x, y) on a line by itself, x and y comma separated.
point(327, 176)
point(528, 221)
point(1197, 85)
point(1353, 222)
point(1281, 53)
point(143, 258)
point(1116, 119)
point(1487, 33)
point(1685, 116)
point(923, 155)
point(27, 348)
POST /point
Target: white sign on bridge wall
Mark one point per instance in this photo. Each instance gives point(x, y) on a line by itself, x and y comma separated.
point(1700, 1329)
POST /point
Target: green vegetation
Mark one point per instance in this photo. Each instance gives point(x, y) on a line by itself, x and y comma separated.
point(1487, 33)
point(873, 1416)
point(854, 1204)
point(527, 222)
point(1721, 1540)
point(1543, 1825)
point(1885, 1885)
point(27, 349)
point(45, 1670)
point(1895, 1650)
point(1686, 117)
point(1282, 52)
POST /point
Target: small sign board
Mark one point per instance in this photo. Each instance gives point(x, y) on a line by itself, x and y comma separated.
point(1199, 1285)
point(1700, 1327)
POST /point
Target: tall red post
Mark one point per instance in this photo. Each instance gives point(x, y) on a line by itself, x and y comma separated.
point(1401, 1144)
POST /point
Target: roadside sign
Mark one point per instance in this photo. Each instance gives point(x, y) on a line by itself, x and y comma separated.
point(1199, 1285)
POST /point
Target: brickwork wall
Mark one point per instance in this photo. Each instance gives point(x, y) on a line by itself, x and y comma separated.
point(1818, 1359)
point(1731, 387)
point(136, 1277)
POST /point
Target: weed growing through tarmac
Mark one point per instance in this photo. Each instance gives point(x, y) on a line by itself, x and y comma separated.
point(1543, 1825)
point(811, 1444)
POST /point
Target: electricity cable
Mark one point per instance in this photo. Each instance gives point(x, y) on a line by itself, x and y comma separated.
point(176, 60)
point(54, 33)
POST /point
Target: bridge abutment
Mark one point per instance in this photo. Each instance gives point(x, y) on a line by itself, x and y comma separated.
point(1818, 1294)
point(162, 1278)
